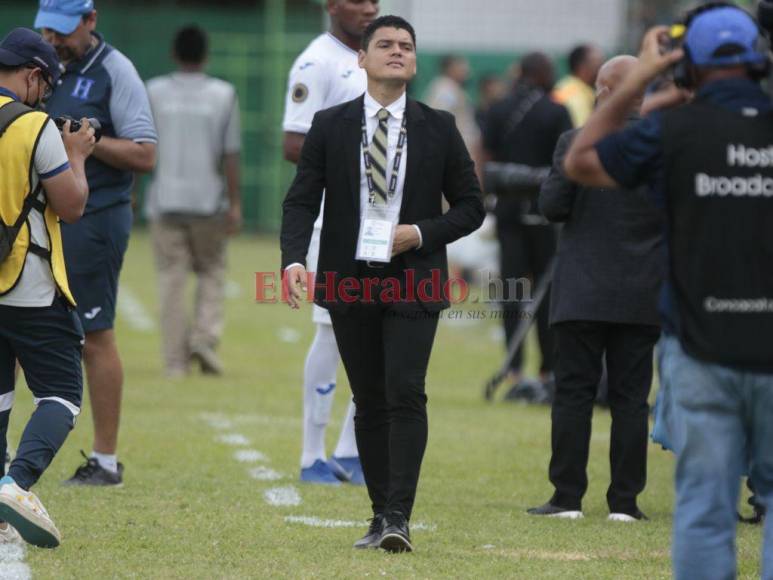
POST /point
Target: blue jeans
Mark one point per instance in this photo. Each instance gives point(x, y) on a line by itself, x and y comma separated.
point(722, 418)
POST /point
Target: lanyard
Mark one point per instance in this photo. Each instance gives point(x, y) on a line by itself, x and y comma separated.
point(395, 166)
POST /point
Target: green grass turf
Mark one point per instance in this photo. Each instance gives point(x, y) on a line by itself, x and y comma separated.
point(190, 510)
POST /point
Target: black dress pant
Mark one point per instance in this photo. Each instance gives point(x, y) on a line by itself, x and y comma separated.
point(525, 252)
point(580, 347)
point(386, 353)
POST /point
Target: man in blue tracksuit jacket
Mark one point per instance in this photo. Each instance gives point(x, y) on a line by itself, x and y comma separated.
point(101, 83)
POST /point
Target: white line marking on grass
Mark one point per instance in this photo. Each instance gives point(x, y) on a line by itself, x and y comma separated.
point(252, 419)
point(316, 522)
point(289, 335)
point(234, 439)
point(249, 456)
point(217, 422)
point(265, 474)
point(133, 311)
point(282, 496)
point(232, 290)
point(12, 565)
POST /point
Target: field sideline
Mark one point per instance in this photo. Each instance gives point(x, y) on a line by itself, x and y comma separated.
point(211, 467)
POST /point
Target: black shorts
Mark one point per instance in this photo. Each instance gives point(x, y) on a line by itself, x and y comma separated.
point(48, 342)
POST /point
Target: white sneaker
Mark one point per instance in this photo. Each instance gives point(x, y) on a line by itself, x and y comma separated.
point(9, 535)
point(23, 510)
point(637, 516)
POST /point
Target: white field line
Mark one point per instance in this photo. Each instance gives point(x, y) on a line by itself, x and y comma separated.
point(233, 290)
point(235, 439)
point(262, 473)
point(316, 522)
point(250, 456)
point(217, 422)
point(282, 496)
point(288, 335)
point(12, 565)
point(133, 311)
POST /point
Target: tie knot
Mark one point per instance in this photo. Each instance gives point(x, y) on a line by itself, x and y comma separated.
point(383, 115)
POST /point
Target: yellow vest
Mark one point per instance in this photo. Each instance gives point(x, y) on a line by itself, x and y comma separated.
point(17, 160)
point(576, 96)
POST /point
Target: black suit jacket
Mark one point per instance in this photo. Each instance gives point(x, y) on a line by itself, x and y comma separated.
point(438, 165)
point(611, 252)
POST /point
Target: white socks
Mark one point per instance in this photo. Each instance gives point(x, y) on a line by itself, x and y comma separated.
point(319, 386)
point(109, 462)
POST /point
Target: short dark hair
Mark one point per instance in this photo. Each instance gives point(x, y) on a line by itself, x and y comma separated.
point(449, 60)
point(386, 22)
point(577, 56)
point(190, 45)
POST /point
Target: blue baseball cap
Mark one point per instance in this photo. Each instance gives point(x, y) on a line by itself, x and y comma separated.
point(25, 46)
point(62, 16)
point(720, 28)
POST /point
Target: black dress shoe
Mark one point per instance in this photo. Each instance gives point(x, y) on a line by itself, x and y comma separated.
point(396, 537)
point(553, 511)
point(373, 538)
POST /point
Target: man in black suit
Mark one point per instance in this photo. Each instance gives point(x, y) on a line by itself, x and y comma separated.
point(603, 306)
point(385, 162)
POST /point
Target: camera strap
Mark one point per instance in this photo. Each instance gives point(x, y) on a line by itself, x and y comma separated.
point(10, 112)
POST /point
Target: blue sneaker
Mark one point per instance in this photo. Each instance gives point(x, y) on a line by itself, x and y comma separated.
point(319, 472)
point(348, 469)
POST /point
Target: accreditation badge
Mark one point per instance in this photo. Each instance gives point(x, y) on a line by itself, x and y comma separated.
point(377, 229)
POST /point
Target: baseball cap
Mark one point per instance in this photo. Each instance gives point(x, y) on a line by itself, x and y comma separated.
point(23, 46)
point(724, 37)
point(62, 16)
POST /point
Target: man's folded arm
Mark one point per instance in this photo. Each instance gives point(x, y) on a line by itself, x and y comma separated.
point(302, 203)
point(461, 189)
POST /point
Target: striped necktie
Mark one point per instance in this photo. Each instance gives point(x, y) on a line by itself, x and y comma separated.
point(378, 157)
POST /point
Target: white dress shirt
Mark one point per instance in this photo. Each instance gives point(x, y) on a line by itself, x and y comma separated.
point(395, 121)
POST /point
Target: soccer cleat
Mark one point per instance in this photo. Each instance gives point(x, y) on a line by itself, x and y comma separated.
point(373, 538)
point(9, 535)
point(208, 360)
point(23, 510)
point(92, 473)
point(396, 537)
point(347, 469)
point(319, 473)
point(554, 511)
point(634, 516)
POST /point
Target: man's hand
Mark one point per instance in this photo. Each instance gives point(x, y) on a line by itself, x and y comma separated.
point(233, 220)
point(666, 98)
point(406, 238)
point(78, 145)
point(652, 59)
point(296, 286)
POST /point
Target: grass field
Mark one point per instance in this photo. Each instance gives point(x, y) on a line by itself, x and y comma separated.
point(191, 509)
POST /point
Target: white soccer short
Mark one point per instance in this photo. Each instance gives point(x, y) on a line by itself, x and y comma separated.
point(319, 315)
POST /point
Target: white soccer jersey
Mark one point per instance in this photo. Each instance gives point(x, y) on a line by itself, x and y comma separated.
point(326, 74)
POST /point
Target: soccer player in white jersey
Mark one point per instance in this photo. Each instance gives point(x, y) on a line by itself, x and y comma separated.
point(324, 75)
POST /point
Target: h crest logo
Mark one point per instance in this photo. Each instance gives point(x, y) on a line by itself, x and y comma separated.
point(82, 88)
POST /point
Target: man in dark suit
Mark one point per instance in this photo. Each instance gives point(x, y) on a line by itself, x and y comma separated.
point(603, 307)
point(385, 162)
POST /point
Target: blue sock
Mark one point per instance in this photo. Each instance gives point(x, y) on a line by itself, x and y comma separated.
point(42, 438)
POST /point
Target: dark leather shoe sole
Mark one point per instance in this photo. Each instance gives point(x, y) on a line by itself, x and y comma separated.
point(395, 543)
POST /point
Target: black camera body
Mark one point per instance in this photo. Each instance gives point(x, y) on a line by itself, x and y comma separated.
point(75, 125)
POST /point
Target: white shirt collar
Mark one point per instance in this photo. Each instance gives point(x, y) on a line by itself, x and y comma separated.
point(396, 109)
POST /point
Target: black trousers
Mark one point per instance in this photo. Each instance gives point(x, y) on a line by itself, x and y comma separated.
point(580, 347)
point(525, 251)
point(385, 353)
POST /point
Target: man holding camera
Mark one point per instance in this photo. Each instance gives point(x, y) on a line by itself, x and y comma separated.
point(43, 180)
point(709, 164)
point(100, 82)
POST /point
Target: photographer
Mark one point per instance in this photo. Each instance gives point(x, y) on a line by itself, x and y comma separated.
point(708, 164)
point(42, 177)
point(524, 129)
point(101, 82)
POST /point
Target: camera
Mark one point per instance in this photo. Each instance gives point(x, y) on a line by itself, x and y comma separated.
point(513, 179)
point(75, 125)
